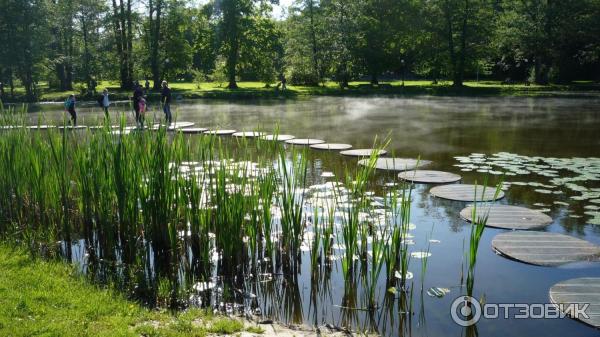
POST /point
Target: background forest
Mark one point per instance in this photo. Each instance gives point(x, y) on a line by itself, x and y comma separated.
point(75, 44)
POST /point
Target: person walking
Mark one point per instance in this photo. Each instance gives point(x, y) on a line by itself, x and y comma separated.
point(165, 97)
point(138, 93)
point(105, 103)
point(283, 82)
point(70, 107)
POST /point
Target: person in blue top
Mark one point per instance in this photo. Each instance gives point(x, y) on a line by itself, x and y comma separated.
point(104, 102)
point(70, 107)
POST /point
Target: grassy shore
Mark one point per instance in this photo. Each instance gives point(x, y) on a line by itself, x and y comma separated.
point(41, 298)
point(249, 90)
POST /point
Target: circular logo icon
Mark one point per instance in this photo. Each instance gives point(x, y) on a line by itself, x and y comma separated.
point(465, 311)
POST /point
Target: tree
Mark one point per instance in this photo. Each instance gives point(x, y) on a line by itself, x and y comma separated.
point(342, 28)
point(261, 52)
point(203, 40)
point(155, 9)
point(550, 38)
point(233, 15)
point(123, 31)
point(62, 23)
point(176, 45)
point(23, 29)
point(89, 16)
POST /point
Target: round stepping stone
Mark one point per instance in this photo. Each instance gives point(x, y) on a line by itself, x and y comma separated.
point(121, 132)
point(544, 248)
point(363, 152)
point(221, 132)
point(429, 176)
point(41, 127)
point(193, 130)
point(578, 292)
point(76, 127)
point(466, 192)
point(179, 125)
point(101, 127)
point(304, 141)
point(509, 217)
point(331, 146)
point(395, 164)
point(281, 138)
point(248, 134)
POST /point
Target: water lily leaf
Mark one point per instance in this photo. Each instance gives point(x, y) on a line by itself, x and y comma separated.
point(438, 292)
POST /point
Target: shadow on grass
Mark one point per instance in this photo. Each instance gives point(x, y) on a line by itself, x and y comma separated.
point(363, 89)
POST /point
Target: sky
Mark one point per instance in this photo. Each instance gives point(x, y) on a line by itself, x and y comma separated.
point(279, 11)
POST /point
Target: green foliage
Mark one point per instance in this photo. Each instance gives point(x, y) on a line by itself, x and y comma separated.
point(73, 44)
point(226, 326)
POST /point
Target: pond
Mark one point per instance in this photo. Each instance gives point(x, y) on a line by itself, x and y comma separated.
point(539, 141)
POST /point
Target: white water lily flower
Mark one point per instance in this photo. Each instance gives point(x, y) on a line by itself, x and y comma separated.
point(420, 255)
point(203, 286)
point(398, 275)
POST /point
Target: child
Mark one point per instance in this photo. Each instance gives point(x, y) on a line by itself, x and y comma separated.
point(142, 109)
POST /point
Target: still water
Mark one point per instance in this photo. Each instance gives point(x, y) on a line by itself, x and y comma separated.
point(437, 129)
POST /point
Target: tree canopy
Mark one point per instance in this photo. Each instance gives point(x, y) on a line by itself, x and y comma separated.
point(73, 44)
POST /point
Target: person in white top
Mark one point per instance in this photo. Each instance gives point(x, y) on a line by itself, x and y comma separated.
point(105, 102)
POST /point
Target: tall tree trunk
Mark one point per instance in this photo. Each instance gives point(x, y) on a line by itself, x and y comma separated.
point(313, 38)
point(69, 63)
point(460, 70)
point(232, 63)
point(155, 41)
point(231, 18)
point(119, 28)
point(129, 46)
point(59, 68)
point(541, 73)
point(86, 53)
point(449, 32)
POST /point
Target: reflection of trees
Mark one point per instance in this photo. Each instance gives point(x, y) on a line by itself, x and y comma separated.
point(441, 209)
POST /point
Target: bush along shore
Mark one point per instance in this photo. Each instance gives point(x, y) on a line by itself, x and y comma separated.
point(258, 90)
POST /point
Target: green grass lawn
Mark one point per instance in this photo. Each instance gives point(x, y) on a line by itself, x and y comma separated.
point(40, 298)
point(249, 90)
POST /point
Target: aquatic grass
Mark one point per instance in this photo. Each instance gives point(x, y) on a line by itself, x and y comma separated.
point(478, 226)
point(291, 201)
